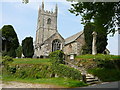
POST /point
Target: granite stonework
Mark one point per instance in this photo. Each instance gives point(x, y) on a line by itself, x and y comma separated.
point(48, 38)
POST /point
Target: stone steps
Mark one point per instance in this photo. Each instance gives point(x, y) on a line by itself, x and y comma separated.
point(90, 79)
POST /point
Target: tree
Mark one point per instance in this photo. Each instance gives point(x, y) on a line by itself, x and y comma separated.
point(101, 39)
point(27, 47)
point(19, 52)
point(104, 15)
point(88, 30)
point(25, 1)
point(9, 40)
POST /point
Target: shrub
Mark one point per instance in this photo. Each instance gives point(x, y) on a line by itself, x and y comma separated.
point(6, 60)
point(106, 63)
point(65, 71)
point(4, 53)
point(106, 74)
point(12, 69)
point(19, 52)
point(57, 57)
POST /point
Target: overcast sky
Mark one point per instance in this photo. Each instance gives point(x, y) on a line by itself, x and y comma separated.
point(23, 17)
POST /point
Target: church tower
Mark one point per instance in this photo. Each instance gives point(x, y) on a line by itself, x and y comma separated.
point(46, 24)
point(47, 37)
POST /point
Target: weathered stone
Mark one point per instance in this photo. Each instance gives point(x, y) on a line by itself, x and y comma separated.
point(94, 50)
point(48, 39)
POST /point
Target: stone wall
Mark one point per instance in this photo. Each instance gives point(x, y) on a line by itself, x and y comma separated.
point(46, 48)
point(75, 47)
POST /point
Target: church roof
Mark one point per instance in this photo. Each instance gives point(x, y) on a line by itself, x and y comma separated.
point(54, 35)
point(73, 37)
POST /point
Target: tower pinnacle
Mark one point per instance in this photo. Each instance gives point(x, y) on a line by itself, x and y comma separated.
point(43, 4)
point(56, 9)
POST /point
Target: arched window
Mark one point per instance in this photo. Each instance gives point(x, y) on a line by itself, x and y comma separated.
point(56, 45)
point(49, 21)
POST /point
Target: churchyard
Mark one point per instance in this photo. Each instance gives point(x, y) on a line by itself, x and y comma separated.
point(38, 71)
point(80, 60)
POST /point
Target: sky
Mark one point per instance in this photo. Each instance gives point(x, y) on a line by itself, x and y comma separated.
point(23, 17)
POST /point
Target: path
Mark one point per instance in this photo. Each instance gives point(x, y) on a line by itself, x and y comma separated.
point(14, 84)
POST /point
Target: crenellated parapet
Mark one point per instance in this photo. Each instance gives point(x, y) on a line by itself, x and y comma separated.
point(43, 11)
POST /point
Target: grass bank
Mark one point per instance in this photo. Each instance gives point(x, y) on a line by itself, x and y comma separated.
point(105, 67)
point(41, 71)
point(105, 74)
point(64, 82)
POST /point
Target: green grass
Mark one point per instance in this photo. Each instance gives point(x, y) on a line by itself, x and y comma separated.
point(100, 56)
point(64, 82)
point(106, 74)
point(30, 61)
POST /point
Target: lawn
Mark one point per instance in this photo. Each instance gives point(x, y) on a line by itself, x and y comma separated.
point(30, 61)
point(64, 82)
point(100, 56)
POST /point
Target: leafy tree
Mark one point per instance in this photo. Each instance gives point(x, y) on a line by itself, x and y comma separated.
point(9, 40)
point(88, 29)
point(25, 1)
point(101, 39)
point(11, 53)
point(104, 15)
point(19, 52)
point(27, 47)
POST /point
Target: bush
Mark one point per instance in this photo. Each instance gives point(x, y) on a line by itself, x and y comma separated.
point(4, 53)
point(65, 71)
point(57, 57)
point(12, 69)
point(106, 63)
point(105, 74)
point(6, 60)
point(19, 52)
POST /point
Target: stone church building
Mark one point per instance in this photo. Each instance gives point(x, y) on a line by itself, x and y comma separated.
point(48, 38)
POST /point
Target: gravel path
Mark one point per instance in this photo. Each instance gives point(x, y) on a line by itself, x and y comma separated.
point(14, 84)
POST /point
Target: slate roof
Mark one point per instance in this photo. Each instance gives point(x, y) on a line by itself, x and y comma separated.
point(54, 35)
point(73, 37)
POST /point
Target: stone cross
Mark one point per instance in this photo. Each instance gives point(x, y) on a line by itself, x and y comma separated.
point(94, 50)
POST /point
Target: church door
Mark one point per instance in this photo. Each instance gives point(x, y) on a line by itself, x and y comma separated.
point(56, 45)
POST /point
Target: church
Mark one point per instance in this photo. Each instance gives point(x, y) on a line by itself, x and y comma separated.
point(48, 38)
